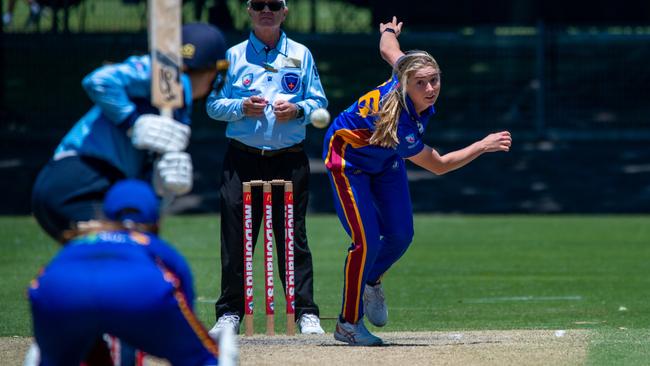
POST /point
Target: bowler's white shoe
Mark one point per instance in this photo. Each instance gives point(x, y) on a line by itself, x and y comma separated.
point(356, 334)
point(310, 324)
point(227, 320)
point(374, 305)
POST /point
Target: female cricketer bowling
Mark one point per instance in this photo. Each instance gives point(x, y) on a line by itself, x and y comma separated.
point(364, 151)
point(120, 278)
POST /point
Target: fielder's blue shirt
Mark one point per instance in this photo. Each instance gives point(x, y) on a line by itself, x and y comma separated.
point(121, 92)
point(286, 72)
point(123, 283)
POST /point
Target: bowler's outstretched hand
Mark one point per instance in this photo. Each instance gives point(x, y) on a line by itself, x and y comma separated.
point(499, 141)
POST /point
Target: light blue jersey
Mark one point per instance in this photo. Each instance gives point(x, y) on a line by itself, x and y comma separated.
point(286, 72)
point(121, 92)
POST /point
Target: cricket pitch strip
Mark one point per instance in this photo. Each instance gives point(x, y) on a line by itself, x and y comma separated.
point(498, 347)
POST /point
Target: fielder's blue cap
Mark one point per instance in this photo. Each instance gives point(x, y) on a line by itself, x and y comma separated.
point(131, 200)
point(203, 46)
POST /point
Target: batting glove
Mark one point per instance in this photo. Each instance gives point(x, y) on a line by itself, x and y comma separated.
point(159, 134)
point(173, 174)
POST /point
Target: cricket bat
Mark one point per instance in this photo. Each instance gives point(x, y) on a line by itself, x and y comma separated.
point(166, 60)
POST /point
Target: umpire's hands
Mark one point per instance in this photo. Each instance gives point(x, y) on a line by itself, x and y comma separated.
point(254, 106)
point(284, 110)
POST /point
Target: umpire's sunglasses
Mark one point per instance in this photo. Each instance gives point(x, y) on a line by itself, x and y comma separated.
point(273, 5)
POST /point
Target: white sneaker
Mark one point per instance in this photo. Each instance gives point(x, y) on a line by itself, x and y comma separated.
point(310, 324)
point(228, 347)
point(227, 320)
point(356, 334)
point(374, 305)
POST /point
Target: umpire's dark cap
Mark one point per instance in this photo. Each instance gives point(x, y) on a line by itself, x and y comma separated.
point(131, 200)
point(203, 46)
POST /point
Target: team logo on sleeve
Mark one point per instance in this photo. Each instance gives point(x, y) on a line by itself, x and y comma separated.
point(139, 66)
point(247, 80)
point(410, 138)
point(291, 82)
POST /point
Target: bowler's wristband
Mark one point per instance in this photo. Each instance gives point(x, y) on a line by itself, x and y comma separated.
point(390, 30)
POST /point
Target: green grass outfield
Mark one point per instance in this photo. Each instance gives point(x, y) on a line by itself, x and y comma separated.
point(461, 273)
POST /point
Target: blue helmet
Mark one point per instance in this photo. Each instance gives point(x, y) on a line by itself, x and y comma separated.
point(131, 200)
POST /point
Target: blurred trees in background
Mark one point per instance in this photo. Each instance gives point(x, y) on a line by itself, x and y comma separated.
point(338, 16)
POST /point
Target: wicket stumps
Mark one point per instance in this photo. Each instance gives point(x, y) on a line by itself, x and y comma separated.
point(267, 205)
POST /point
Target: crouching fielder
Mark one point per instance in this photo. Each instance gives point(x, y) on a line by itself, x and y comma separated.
point(364, 151)
point(120, 278)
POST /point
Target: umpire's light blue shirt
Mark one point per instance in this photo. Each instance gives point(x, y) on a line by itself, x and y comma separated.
point(286, 72)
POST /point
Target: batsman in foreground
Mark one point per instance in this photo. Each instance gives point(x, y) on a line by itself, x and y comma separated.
point(364, 151)
point(123, 133)
point(120, 278)
point(123, 136)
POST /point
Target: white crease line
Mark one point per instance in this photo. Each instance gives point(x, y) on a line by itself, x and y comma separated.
point(204, 300)
point(486, 300)
point(491, 300)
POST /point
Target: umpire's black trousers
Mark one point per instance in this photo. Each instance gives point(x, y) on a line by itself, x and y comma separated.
point(242, 164)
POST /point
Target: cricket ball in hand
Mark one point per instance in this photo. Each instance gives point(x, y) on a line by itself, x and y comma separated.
point(320, 118)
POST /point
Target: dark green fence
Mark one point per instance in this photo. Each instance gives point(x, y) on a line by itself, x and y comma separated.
point(575, 99)
point(563, 81)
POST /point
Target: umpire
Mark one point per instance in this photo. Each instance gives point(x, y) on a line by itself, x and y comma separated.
point(272, 86)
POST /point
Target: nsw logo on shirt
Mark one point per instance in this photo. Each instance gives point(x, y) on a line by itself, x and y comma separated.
point(247, 80)
point(410, 138)
point(290, 82)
